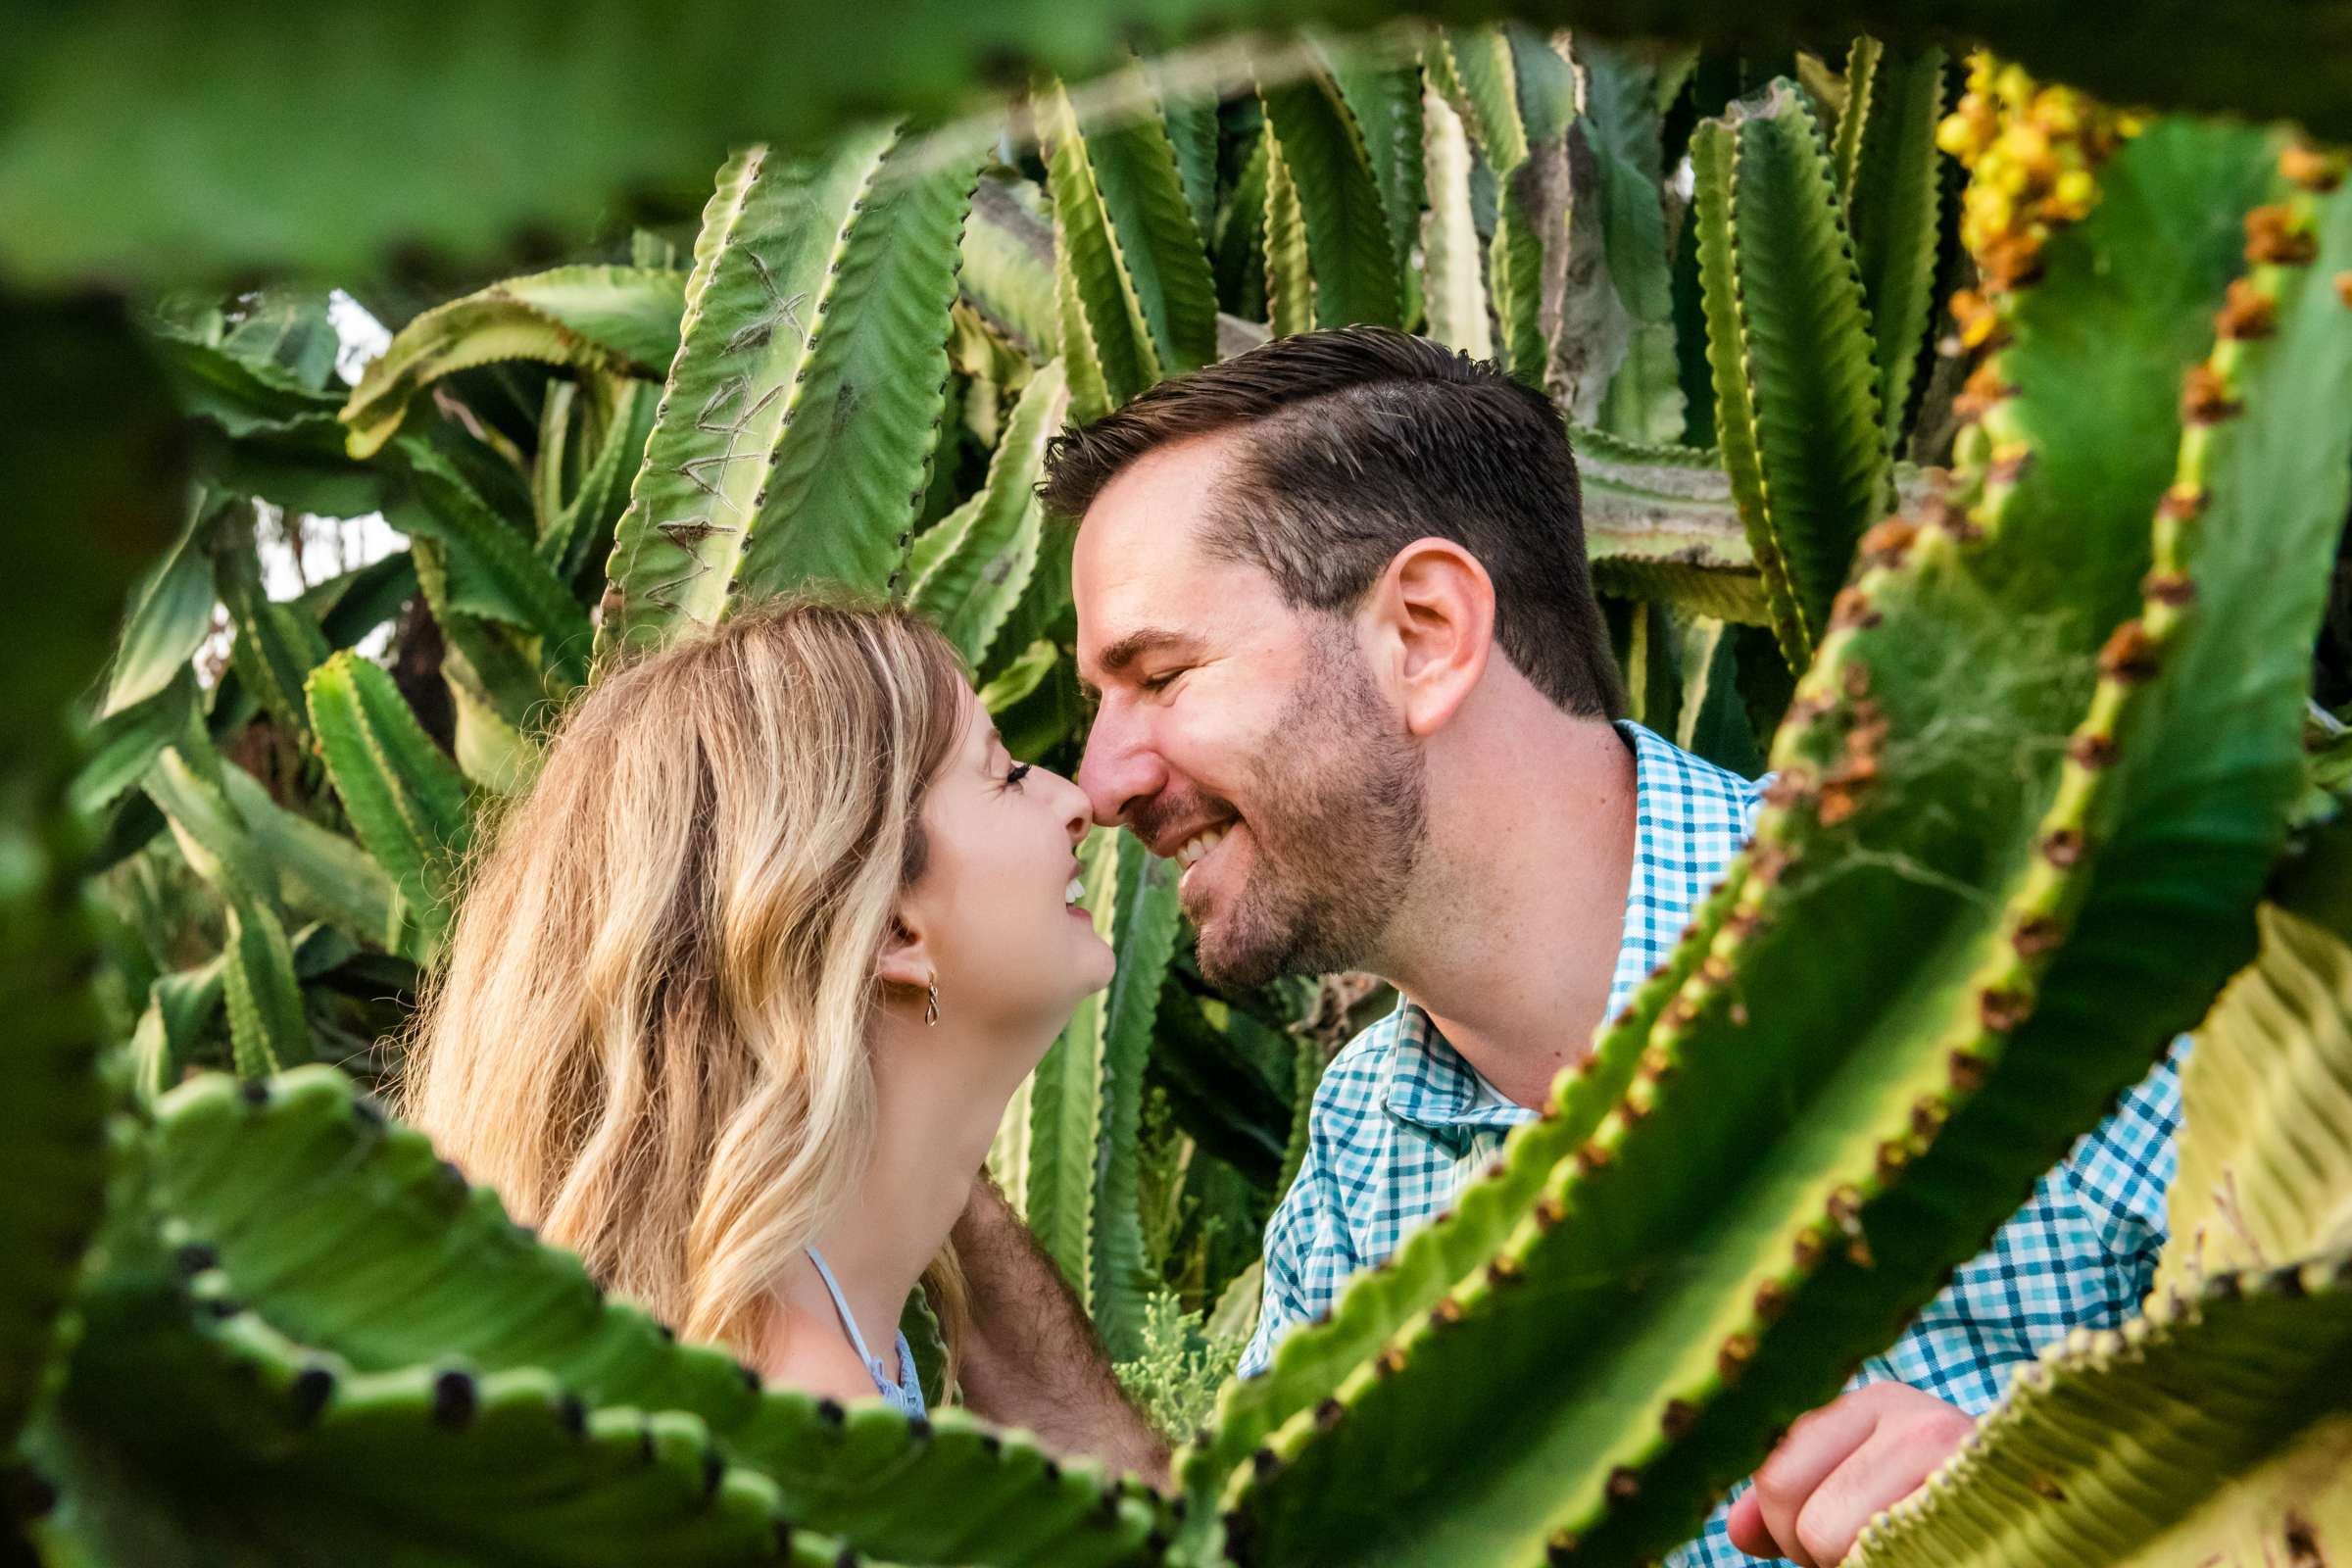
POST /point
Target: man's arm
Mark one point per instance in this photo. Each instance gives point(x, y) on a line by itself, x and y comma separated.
point(1031, 1357)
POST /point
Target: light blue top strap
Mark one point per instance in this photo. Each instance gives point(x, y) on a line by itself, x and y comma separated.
point(905, 1396)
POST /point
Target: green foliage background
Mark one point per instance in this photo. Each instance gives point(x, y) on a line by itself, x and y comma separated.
point(2030, 652)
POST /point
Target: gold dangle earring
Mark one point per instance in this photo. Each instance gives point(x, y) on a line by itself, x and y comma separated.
point(931, 1005)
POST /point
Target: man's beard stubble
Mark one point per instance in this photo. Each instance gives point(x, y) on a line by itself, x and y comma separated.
point(1338, 817)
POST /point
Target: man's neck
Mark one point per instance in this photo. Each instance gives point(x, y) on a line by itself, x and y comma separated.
point(1511, 946)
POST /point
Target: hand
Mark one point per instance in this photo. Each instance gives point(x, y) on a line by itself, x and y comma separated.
point(1838, 1466)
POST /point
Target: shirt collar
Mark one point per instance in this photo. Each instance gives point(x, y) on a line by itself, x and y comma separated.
point(1674, 863)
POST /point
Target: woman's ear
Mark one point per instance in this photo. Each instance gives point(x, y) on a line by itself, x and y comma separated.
point(906, 958)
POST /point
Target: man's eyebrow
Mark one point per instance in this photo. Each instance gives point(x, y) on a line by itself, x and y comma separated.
point(1121, 656)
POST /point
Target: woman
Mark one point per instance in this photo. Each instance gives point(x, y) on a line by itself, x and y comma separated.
point(736, 1000)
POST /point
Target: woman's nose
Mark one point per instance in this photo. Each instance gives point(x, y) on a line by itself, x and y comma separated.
point(1077, 813)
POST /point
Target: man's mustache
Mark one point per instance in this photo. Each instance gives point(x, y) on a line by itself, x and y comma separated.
point(1163, 811)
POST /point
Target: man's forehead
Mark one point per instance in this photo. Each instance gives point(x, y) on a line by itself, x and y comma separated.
point(1146, 578)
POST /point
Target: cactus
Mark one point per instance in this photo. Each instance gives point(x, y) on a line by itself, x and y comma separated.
point(2215, 1428)
point(1067, 1154)
point(346, 1234)
point(1890, 183)
point(1132, 280)
point(266, 1030)
point(1789, 335)
point(1454, 286)
point(972, 567)
point(1008, 274)
point(616, 320)
point(812, 346)
point(1320, 147)
point(407, 802)
point(480, 570)
point(307, 1460)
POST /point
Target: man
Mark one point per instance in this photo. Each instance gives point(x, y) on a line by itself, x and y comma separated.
point(1333, 596)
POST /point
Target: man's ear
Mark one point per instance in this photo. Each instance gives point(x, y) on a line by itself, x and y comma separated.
point(906, 958)
point(1434, 608)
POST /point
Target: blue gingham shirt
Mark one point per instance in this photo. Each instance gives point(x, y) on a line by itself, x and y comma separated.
point(1401, 1121)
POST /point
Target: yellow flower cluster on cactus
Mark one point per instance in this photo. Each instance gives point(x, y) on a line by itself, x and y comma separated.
point(2031, 151)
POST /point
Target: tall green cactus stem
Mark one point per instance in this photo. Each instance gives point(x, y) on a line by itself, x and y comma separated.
point(796, 428)
point(348, 1234)
point(318, 874)
point(576, 529)
point(1140, 924)
point(1290, 281)
point(1190, 117)
point(1622, 121)
point(277, 645)
point(1136, 299)
point(1086, 1098)
point(1007, 272)
point(971, 569)
point(1890, 183)
point(80, 448)
point(1455, 291)
point(1796, 406)
point(1649, 1328)
point(1384, 99)
point(486, 569)
point(407, 800)
point(1321, 147)
point(612, 320)
point(1473, 68)
point(266, 1029)
point(1146, 206)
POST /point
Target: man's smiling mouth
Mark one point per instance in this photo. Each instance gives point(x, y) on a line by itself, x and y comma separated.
point(1188, 854)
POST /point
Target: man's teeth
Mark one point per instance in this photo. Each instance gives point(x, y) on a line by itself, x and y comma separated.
point(1076, 890)
point(1197, 845)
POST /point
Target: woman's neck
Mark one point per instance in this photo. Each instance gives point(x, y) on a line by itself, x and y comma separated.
point(938, 1099)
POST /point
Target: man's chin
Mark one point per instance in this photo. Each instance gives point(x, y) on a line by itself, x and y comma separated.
point(1233, 958)
point(1247, 972)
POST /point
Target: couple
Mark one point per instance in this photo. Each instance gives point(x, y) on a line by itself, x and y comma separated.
point(736, 1002)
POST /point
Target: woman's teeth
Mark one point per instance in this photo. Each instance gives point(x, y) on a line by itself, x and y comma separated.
point(1076, 890)
point(1200, 844)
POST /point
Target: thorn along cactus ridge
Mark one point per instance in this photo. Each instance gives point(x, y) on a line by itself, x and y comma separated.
point(2019, 608)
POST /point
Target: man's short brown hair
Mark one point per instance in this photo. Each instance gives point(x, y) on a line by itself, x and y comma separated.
point(1359, 442)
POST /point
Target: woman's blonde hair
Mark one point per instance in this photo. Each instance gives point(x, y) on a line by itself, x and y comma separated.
point(650, 1034)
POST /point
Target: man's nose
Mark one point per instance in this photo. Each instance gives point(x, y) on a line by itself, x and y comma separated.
point(1119, 769)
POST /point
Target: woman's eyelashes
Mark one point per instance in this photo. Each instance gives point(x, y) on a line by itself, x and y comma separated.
point(1017, 772)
